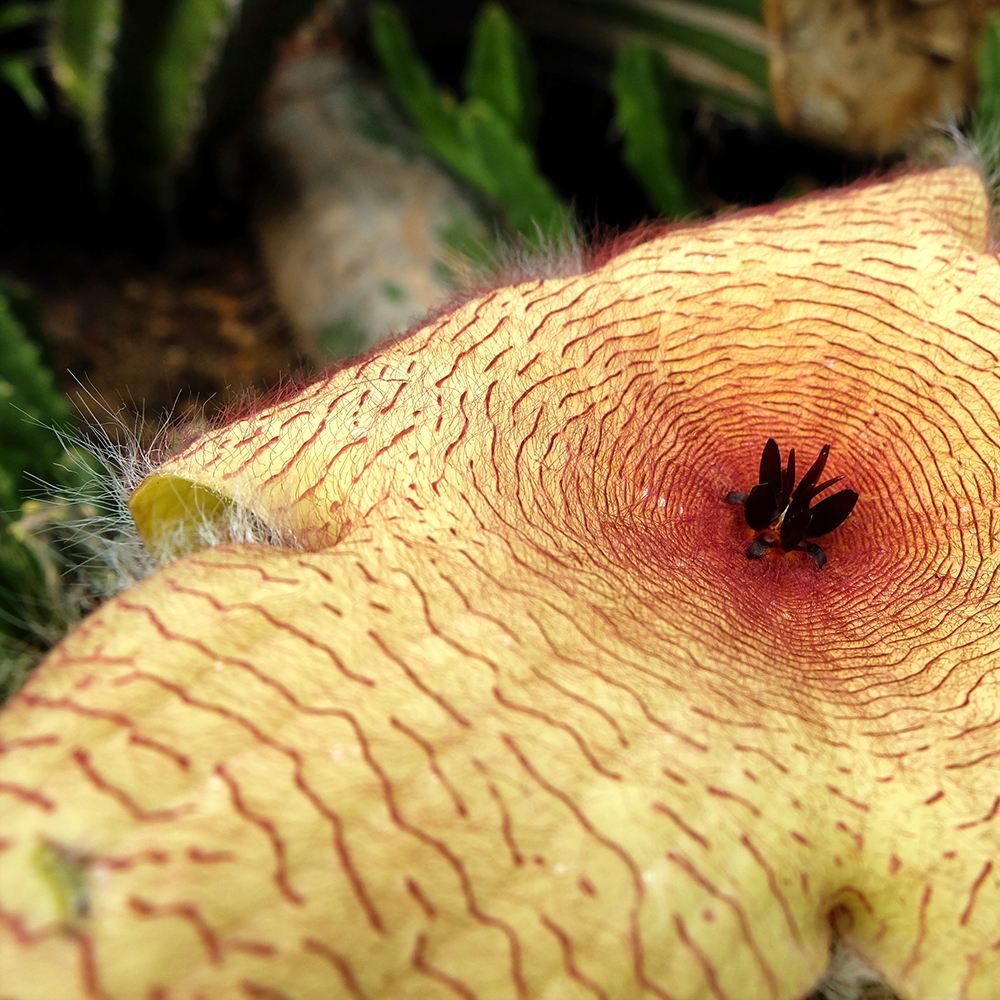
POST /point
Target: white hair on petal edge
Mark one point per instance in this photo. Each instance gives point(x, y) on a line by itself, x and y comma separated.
point(982, 152)
point(979, 150)
point(514, 260)
point(101, 548)
point(111, 460)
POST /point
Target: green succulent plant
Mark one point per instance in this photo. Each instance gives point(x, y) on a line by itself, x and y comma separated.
point(148, 81)
point(17, 68)
point(485, 139)
point(56, 507)
point(30, 407)
point(653, 142)
point(717, 48)
point(985, 126)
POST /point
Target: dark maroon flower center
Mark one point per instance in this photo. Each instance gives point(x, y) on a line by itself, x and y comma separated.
point(780, 510)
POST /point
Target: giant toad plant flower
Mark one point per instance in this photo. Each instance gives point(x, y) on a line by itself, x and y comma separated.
point(514, 716)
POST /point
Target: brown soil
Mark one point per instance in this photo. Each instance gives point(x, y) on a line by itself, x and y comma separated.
point(186, 338)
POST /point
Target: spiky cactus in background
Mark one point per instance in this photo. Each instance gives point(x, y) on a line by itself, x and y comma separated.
point(147, 81)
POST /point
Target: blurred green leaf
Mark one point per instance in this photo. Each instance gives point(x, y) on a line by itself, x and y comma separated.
point(17, 15)
point(50, 571)
point(528, 200)
point(16, 661)
point(24, 308)
point(342, 338)
point(500, 72)
point(245, 62)
point(653, 141)
point(986, 115)
point(17, 68)
point(149, 80)
point(23, 603)
point(30, 407)
point(191, 47)
point(82, 41)
point(464, 246)
point(750, 9)
point(153, 76)
point(722, 49)
point(717, 48)
point(479, 140)
point(19, 74)
point(410, 80)
point(163, 62)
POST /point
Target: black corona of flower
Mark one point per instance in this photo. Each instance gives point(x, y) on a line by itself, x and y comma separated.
point(780, 510)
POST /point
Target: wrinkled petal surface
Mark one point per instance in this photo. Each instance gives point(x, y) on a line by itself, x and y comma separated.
point(519, 719)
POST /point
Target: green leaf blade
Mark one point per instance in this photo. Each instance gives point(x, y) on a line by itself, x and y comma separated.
point(718, 47)
point(18, 74)
point(653, 147)
point(17, 15)
point(32, 410)
point(753, 10)
point(476, 141)
point(192, 45)
point(500, 72)
point(526, 197)
point(82, 40)
point(30, 406)
point(411, 81)
point(986, 115)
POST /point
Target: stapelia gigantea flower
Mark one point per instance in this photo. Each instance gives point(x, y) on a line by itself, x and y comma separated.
point(518, 718)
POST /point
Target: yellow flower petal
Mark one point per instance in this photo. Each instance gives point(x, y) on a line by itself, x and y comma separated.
point(518, 718)
point(176, 516)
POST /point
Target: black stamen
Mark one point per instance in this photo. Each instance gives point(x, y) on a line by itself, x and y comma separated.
point(761, 507)
point(832, 512)
point(780, 510)
point(789, 477)
point(815, 470)
point(794, 526)
point(770, 467)
point(760, 545)
point(817, 553)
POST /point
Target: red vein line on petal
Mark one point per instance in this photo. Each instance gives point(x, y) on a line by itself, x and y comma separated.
point(267, 826)
point(339, 963)
point(711, 977)
point(974, 892)
point(421, 964)
point(915, 956)
point(36, 798)
point(992, 814)
point(256, 991)
point(741, 915)
point(694, 834)
point(190, 914)
point(772, 883)
point(558, 724)
point(417, 682)
point(82, 757)
point(431, 753)
point(638, 951)
point(569, 962)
